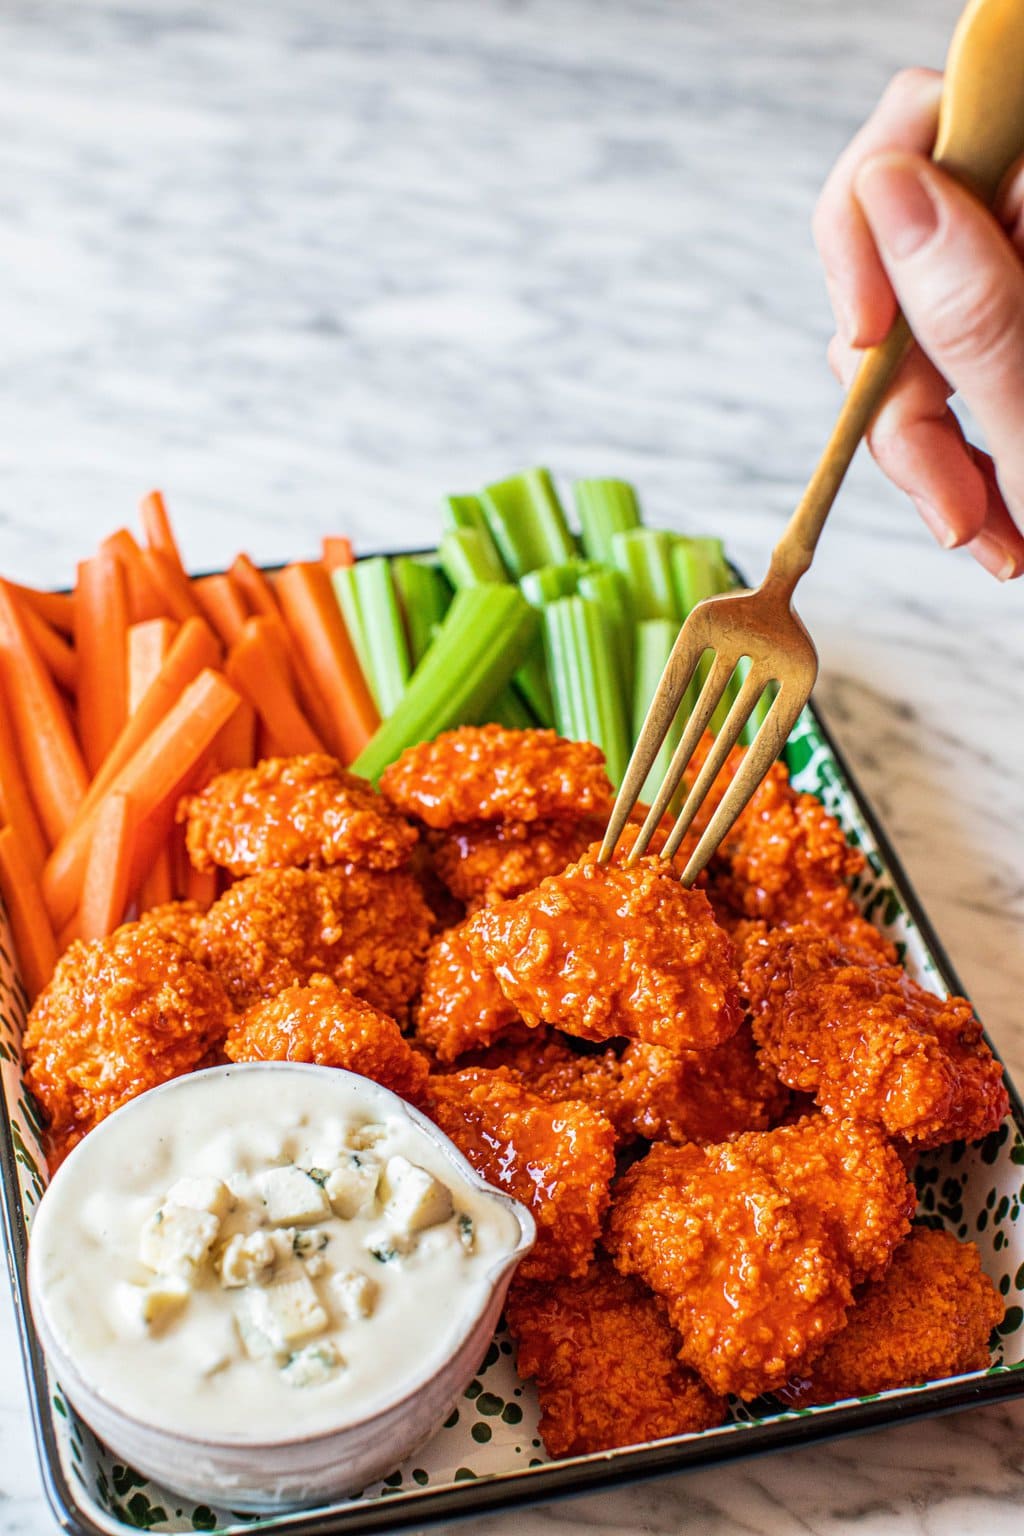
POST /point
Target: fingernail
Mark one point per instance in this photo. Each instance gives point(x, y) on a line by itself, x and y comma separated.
point(897, 202)
point(943, 531)
point(994, 556)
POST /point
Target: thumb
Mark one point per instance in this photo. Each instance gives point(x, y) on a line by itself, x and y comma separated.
point(960, 284)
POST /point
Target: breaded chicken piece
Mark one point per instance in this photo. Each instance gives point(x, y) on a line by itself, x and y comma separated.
point(868, 1041)
point(489, 773)
point(293, 812)
point(756, 1244)
point(558, 1159)
point(180, 920)
point(460, 1007)
point(327, 1025)
point(605, 1358)
point(649, 1092)
point(930, 1316)
point(484, 862)
point(367, 929)
point(118, 1016)
point(602, 950)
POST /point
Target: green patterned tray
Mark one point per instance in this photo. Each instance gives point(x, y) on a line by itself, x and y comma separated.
point(488, 1455)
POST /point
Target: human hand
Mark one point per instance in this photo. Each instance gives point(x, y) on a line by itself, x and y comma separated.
point(891, 228)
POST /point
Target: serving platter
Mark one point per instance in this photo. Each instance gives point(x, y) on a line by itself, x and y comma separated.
point(488, 1456)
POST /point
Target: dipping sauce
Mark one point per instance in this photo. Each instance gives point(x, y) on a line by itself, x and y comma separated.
point(262, 1252)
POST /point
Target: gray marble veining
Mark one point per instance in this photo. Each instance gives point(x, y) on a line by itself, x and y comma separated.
point(308, 266)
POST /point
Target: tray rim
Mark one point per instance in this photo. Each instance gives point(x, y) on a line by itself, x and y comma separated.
point(553, 1480)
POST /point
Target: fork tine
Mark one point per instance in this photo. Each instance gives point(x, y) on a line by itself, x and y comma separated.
point(679, 669)
point(752, 687)
point(760, 755)
point(696, 725)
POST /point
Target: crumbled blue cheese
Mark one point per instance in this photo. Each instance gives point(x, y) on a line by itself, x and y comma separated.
point(291, 1197)
point(352, 1293)
point(311, 1366)
point(176, 1239)
point(248, 1258)
point(284, 1312)
point(150, 1308)
point(352, 1186)
point(413, 1198)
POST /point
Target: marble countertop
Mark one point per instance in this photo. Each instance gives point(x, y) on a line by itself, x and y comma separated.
point(308, 266)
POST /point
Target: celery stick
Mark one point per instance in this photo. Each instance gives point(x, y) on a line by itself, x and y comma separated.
point(349, 601)
point(366, 590)
point(654, 641)
point(485, 634)
point(644, 556)
point(585, 679)
point(510, 710)
point(548, 582)
point(700, 570)
point(463, 512)
point(468, 557)
point(609, 589)
point(527, 522)
point(604, 508)
point(424, 596)
point(760, 709)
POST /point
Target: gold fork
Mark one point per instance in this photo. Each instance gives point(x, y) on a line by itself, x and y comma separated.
point(981, 134)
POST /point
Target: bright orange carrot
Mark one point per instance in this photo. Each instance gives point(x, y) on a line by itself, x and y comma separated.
point(57, 608)
point(49, 753)
point(16, 806)
point(102, 606)
point(337, 552)
point(68, 934)
point(194, 647)
point(148, 645)
point(108, 869)
point(156, 887)
point(156, 525)
point(235, 746)
point(173, 585)
point(257, 669)
point(59, 656)
point(223, 605)
point(145, 600)
point(253, 585)
point(34, 943)
point(153, 776)
point(318, 630)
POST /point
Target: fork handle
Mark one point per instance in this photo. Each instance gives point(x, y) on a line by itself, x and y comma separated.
point(980, 135)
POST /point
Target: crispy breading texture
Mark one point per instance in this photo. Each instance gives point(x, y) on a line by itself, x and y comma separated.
point(868, 1041)
point(180, 920)
point(557, 1159)
point(488, 773)
point(327, 1025)
point(293, 812)
point(461, 1007)
point(602, 950)
point(120, 1015)
point(367, 929)
point(930, 1316)
point(605, 1358)
point(484, 862)
point(756, 1245)
point(646, 1091)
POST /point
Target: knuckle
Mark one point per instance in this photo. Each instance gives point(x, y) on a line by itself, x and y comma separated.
point(979, 323)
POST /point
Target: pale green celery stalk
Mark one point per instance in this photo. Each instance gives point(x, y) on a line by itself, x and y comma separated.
point(348, 596)
point(609, 589)
point(700, 570)
point(549, 582)
point(366, 590)
point(760, 710)
point(644, 556)
point(604, 508)
point(424, 595)
point(463, 511)
point(510, 710)
point(585, 679)
point(527, 522)
point(654, 641)
point(468, 558)
point(485, 634)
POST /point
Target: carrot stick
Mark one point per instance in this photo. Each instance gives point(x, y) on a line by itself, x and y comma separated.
point(194, 647)
point(68, 934)
point(253, 585)
point(34, 943)
point(337, 552)
point(257, 669)
point(156, 886)
point(102, 599)
point(153, 776)
point(53, 764)
point(108, 869)
point(235, 746)
point(59, 656)
point(145, 600)
point(156, 525)
point(148, 645)
point(222, 604)
point(318, 630)
point(57, 608)
point(16, 806)
point(173, 585)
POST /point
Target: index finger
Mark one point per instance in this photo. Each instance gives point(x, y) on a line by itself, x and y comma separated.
point(862, 298)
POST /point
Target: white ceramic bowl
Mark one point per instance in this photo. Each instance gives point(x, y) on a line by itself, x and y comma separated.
point(262, 1474)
